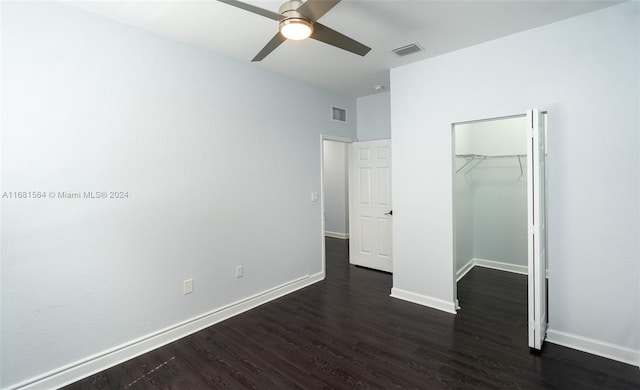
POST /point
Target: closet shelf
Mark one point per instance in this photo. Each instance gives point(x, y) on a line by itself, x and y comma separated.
point(481, 157)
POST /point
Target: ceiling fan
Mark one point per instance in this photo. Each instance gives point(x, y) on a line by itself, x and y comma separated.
point(299, 20)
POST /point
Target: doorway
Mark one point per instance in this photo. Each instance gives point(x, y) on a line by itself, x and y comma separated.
point(499, 204)
point(335, 179)
point(490, 191)
point(334, 187)
point(363, 220)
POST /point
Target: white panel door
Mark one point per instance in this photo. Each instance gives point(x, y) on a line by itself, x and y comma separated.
point(370, 210)
point(537, 234)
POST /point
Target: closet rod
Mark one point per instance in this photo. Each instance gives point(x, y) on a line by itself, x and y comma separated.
point(481, 157)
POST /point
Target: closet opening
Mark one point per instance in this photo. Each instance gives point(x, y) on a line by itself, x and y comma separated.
point(499, 226)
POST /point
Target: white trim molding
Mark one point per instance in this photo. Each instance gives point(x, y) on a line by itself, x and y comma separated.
point(517, 269)
point(435, 303)
point(106, 359)
point(595, 347)
point(342, 236)
point(465, 269)
point(328, 137)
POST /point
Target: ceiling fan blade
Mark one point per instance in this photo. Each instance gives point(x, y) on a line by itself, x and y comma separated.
point(314, 9)
point(271, 46)
point(324, 34)
point(254, 9)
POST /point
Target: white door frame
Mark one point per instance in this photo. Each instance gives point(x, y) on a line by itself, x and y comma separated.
point(453, 200)
point(323, 138)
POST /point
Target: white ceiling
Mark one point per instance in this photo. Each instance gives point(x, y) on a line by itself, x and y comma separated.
point(438, 26)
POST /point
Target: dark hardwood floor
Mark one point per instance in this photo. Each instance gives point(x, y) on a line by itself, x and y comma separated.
point(346, 332)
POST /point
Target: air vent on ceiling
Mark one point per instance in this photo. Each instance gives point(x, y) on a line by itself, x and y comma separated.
point(406, 50)
point(338, 114)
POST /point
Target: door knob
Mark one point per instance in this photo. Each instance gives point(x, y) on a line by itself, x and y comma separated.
point(389, 213)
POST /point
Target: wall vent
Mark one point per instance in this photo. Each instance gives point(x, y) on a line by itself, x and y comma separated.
point(408, 49)
point(339, 114)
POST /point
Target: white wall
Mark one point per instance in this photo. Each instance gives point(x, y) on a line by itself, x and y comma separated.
point(463, 216)
point(500, 212)
point(374, 117)
point(215, 178)
point(336, 182)
point(493, 192)
point(585, 72)
point(492, 137)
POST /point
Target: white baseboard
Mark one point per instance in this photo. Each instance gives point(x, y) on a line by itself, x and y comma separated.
point(596, 347)
point(94, 364)
point(517, 269)
point(435, 303)
point(342, 236)
point(464, 270)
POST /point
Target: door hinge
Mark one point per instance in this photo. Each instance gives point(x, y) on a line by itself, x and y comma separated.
point(533, 325)
point(533, 230)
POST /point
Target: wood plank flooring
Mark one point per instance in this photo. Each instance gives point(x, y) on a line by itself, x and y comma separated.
point(347, 333)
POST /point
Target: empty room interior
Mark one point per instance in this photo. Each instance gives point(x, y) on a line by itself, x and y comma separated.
point(409, 194)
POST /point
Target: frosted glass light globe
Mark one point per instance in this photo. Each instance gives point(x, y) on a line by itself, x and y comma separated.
point(296, 29)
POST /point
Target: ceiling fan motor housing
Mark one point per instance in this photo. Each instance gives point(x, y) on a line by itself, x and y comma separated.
point(291, 17)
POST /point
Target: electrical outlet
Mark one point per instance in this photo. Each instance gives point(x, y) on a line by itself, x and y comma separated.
point(188, 286)
point(239, 271)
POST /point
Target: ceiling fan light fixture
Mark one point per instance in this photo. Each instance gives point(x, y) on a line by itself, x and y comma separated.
point(296, 28)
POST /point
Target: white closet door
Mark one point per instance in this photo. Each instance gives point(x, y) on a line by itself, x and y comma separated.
point(370, 204)
point(537, 235)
